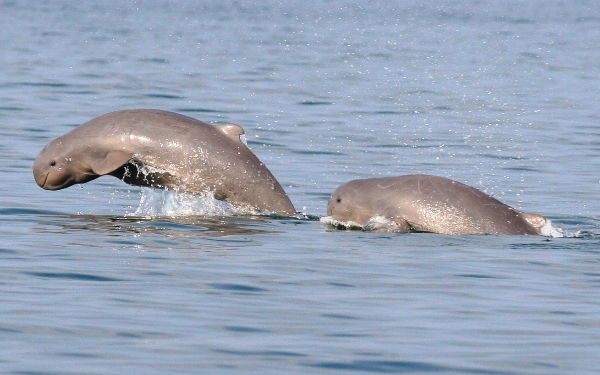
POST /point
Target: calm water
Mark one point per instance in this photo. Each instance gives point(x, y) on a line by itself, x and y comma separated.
point(502, 96)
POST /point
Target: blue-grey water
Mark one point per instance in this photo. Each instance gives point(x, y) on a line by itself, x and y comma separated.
point(504, 96)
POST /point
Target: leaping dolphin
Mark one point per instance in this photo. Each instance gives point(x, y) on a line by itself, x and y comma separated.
point(146, 147)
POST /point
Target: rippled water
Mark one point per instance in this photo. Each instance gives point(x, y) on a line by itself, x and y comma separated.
point(500, 96)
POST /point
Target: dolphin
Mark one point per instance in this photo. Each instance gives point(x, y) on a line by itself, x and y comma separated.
point(424, 203)
point(154, 148)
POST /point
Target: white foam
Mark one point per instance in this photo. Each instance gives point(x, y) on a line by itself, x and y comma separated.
point(375, 224)
point(331, 222)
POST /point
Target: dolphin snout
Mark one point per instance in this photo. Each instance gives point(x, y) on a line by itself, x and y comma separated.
point(329, 209)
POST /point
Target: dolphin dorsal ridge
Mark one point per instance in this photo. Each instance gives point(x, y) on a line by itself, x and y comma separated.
point(233, 131)
point(537, 221)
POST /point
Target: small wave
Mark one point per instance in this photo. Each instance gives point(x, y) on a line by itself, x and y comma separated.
point(159, 202)
point(71, 276)
point(402, 367)
point(585, 234)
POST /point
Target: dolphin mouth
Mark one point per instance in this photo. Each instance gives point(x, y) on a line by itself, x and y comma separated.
point(41, 180)
point(43, 183)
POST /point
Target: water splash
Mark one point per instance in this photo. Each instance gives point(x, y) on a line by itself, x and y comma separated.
point(548, 230)
point(160, 202)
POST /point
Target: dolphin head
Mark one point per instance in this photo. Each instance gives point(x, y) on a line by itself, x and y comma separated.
point(350, 203)
point(56, 167)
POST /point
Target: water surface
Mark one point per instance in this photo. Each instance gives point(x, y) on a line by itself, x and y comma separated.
point(502, 96)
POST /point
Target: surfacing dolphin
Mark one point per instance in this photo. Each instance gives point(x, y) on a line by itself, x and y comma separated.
point(161, 149)
point(423, 203)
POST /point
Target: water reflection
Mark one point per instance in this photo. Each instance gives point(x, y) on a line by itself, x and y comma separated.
point(183, 226)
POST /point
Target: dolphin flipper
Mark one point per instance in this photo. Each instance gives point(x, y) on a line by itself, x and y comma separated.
point(111, 162)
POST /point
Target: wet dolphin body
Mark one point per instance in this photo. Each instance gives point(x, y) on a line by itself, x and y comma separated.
point(164, 150)
point(423, 203)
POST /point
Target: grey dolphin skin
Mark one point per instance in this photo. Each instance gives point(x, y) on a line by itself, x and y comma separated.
point(423, 203)
point(154, 148)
